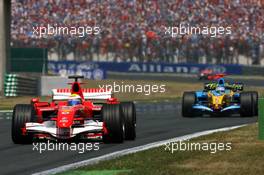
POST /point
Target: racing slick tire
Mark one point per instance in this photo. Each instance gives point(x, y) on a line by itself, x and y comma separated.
point(246, 104)
point(255, 102)
point(188, 100)
point(129, 112)
point(22, 114)
point(113, 118)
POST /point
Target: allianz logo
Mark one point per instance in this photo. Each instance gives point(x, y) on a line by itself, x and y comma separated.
point(156, 68)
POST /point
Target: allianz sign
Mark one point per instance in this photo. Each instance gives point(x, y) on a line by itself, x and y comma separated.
point(160, 68)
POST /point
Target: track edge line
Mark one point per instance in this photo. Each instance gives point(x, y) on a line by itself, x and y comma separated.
point(120, 153)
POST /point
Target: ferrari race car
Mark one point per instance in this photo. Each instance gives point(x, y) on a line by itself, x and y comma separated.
point(203, 75)
point(74, 114)
point(220, 98)
point(209, 74)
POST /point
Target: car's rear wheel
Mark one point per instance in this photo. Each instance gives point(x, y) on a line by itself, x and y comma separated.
point(114, 122)
point(22, 114)
point(129, 112)
point(255, 102)
point(246, 104)
point(188, 100)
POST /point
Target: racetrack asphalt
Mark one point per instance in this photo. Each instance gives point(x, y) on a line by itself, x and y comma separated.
point(155, 122)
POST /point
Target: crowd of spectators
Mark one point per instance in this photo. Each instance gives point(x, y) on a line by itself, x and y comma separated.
point(133, 30)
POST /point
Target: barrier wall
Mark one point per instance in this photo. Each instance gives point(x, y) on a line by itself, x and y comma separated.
point(87, 68)
point(28, 60)
point(47, 83)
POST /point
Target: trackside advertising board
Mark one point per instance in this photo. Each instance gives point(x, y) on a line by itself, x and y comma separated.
point(135, 67)
point(66, 68)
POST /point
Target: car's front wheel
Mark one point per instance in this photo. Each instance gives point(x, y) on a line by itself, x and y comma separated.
point(188, 100)
point(255, 102)
point(22, 114)
point(114, 121)
point(246, 104)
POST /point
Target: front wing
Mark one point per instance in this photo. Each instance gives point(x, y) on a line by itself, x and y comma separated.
point(202, 108)
point(90, 129)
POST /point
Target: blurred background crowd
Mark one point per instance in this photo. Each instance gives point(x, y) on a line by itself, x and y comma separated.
point(133, 30)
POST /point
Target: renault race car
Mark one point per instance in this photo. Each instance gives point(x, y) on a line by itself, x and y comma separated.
point(74, 114)
point(220, 98)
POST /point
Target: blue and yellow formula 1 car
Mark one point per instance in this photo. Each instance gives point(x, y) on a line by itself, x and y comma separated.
point(219, 98)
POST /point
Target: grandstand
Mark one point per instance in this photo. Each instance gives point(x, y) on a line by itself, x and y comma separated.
point(125, 25)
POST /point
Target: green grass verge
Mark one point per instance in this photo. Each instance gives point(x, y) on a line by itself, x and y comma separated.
point(245, 158)
point(8, 103)
point(173, 91)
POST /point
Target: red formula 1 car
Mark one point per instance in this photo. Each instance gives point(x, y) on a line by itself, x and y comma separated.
point(73, 114)
point(209, 74)
point(203, 74)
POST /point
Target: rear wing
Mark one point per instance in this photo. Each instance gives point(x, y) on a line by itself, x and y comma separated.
point(234, 86)
point(90, 93)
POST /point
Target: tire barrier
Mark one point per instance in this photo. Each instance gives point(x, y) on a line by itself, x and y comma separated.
point(20, 85)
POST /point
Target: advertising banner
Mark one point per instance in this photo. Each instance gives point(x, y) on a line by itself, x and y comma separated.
point(98, 69)
point(168, 68)
point(66, 68)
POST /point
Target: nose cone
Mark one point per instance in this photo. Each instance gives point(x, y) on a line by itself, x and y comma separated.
point(65, 117)
point(217, 102)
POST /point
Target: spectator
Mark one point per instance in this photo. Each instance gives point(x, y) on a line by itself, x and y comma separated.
point(132, 30)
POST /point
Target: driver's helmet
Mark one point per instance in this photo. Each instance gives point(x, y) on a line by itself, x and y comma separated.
point(74, 99)
point(220, 90)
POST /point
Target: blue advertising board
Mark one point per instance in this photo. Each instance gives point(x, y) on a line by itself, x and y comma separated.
point(168, 68)
point(65, 68)
point(135, 67)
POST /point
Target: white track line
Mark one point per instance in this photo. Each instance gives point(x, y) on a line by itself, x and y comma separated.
point(132, 150)
point(5, 117)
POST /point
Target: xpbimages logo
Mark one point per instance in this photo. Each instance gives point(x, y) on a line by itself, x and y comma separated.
point(54, 30)
point(186, 29)
point(54, 146)
point(212, 147)
point(146, 89)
